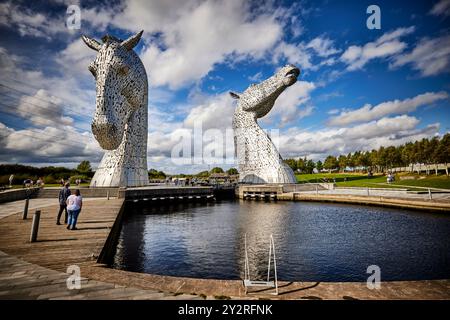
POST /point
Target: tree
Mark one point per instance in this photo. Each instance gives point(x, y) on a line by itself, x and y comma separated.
point(373, 158)
point(310, 165)
point(155, 174)
point(330, 163)
point(408, 155)
point(216, 170)
point(356, 158)
point(203, 174)
point(381, 159)
point(84, 167)
point(392, 157)
point(432, 156)
point(301, 164)
point(342, 160)
point(442, 152)
point(319, 165)
point(350, 162)
point(364, 159)
point(291, 163)
point(232, 171)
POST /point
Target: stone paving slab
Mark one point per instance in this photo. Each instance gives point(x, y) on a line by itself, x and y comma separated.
point(37, 282)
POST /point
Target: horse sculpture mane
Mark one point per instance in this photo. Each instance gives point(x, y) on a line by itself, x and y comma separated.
point(120, 120)
point(258, 158)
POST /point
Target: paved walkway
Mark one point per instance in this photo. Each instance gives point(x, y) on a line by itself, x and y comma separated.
point(23, 280)
point(58, 248)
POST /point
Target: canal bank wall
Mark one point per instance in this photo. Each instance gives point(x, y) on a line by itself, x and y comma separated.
point(383, 197)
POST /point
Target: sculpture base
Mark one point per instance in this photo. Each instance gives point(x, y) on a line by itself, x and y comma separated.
point(123, 177)
point(283, 174)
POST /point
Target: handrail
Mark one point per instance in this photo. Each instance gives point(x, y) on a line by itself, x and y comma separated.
point(268, 283)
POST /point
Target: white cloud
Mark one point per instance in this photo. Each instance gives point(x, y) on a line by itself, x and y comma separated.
point(29, 23)
point(322, 46)
point(384, 132)
point(356, 57)
point(369, 112)
point(67, 87)
point(291, 105)
point(60, 144)
point(430, 56)
point(441, 8)
point(215, 112)
point(75, 59)
point(296, 54)
point(302, 54)
point(333, 111)
point(211, 30)
point(43, 109)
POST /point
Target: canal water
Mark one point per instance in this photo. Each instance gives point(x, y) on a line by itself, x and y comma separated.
point(314, 241)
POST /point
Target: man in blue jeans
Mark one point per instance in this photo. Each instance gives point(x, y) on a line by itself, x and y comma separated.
point(64, 193)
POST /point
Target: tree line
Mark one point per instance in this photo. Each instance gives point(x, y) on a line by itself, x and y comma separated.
point(159, 175)
point(430, 151)
point(50, 174)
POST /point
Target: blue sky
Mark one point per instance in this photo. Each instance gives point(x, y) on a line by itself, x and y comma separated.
point(358, 88)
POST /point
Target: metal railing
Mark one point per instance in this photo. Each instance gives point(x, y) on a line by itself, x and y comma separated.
point(255, 283)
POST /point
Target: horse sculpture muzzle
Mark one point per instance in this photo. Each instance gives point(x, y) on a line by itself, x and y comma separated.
point(106, 132)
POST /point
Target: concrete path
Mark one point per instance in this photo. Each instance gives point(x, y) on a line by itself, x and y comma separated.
point(20, 279)
point(26, 281)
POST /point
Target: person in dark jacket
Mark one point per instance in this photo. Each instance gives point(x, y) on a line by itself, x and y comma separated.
point(64, 193)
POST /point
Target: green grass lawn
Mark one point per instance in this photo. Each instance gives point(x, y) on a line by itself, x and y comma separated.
point(361, 180)
point(431, 181)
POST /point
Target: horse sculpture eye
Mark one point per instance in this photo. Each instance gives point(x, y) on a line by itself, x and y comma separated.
point(124, 70)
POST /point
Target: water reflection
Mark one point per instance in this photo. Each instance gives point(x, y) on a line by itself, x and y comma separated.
point(314, 242)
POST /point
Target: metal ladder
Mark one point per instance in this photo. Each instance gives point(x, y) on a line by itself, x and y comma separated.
point(254, 283)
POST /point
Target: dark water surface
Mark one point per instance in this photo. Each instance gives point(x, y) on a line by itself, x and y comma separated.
point(314, 241)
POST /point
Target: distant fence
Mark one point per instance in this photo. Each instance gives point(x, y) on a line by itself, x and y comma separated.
point(422, 167)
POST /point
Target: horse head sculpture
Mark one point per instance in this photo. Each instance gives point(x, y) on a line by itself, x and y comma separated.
point(120, 120)
point(258, 159)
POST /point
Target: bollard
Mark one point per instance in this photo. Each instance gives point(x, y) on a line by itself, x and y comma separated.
point(25, 209)
point(35, 226)
point(368, 191)
point(429, 194)
point(107, 195)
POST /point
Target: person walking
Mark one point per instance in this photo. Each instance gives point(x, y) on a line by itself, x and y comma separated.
point(64, 193)
point(74, 205)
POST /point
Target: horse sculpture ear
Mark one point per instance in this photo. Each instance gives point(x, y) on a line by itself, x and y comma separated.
point(234, 95)
point(132, 41)
point(91, 43)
